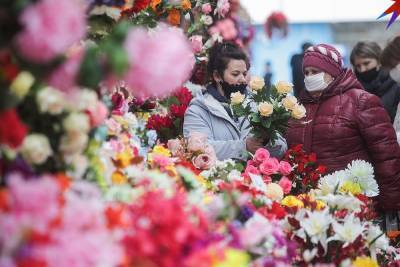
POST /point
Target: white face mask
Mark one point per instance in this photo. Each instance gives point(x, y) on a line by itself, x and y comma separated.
point(395, 73)
point(315, 83)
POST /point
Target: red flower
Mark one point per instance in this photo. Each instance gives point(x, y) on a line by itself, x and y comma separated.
point(140, 5)
point(277, 210)
point(178, 111)
point(8, 69)
point(12, 130)
point(156, 122)
point(184, 96)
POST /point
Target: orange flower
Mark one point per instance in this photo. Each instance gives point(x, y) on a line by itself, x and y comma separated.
point(154, 4)
point(174, 17)
point(186, 5)
point(118, 178)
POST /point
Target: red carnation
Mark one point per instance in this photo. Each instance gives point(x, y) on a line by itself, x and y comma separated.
point(178, 111)
point(184, 96)
point(12, 130)
point(140, 5)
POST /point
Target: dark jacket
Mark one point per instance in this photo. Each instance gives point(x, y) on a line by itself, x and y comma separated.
point(347, 123)
point(296, 62)
point(387, 90)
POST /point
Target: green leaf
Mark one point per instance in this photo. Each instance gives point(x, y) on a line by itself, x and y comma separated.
point(255, 117)
point(90, 73)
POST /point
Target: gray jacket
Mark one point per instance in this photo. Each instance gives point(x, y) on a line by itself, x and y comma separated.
point(206, 115)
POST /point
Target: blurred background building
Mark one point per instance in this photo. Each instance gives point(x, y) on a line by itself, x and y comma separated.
point(339, 22)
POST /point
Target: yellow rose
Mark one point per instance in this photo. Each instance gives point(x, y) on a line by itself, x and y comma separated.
point(289, 102)
point(237, 98)
point(298, 112)
point(284, 87)
point(257, 83)
point(365, 262)
point(292, 201)
point(274, 192)
point(265, 109)
point(22, 83)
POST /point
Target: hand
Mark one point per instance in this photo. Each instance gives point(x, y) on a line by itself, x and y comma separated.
point(252, 144)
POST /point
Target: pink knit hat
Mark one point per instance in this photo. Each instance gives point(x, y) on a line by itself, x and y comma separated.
point(325, 58)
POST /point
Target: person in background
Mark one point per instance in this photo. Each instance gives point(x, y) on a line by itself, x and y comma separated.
point(376, 80)
point(296, 63)
point(268, 75)
point(344, 123)
point(390, 59)
point(209, 112)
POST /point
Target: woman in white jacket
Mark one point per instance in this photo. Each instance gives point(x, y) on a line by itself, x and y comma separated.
point(209, 112)
point(390, 59)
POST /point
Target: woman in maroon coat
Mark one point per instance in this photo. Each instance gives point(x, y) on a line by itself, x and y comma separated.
point(345, 123)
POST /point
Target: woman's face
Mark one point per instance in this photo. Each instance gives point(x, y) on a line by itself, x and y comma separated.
point(236, 72)
point(362, 64)
point(309, 71)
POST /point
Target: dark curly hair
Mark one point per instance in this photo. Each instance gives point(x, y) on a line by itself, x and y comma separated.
point(220, 55)
point(390, 56)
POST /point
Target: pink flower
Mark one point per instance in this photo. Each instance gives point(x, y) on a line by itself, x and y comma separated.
point(267, 179)
point(197, 142)
point(286, 184)
point(161, 160)
point(269, 166)
point(50, 27)
point(160, 62)
point(116, 145)
point(222, 7)
point(197, 43)
point(261, 155)
point(64, 77)
point(35, 201)
point(226, 28)
point(204, 161)
point(175, 146)
point(285, 168)
point(206, 8)
point(209, 149)
point(251, 169)
point(113, 126)
point(97, 114)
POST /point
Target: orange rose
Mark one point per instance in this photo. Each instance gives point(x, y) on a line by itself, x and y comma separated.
point(154, 4)
point(174, 17)
point(186, 5)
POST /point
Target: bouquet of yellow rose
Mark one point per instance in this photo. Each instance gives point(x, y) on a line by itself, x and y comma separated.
point(267, 110)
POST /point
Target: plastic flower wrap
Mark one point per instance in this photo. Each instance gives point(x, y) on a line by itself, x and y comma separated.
point(267, 110)
point(49, 222)
point(160, 61)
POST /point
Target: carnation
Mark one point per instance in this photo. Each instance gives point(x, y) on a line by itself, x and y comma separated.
point(47, 32)
point(76, 123)
point(159, 62)
point(12, 129)
point(50, 101)
point(36, 149)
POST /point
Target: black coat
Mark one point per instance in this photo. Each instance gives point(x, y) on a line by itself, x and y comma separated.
point(387, 90)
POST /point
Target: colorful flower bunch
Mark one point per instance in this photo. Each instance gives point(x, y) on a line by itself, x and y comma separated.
point(306, 171)
point(333, 224)
point(170, 125)
point(49, 221)
point(267, 110)
point(195, 149)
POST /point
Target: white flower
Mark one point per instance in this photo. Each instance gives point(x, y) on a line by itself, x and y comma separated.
point(73, 143)
point(331, 182)
point(21, 85)
point(317, 225)
point(341, 202)
point(362, 172)
point(207, 20)
point(76, 123)
point(234, 175)
point(131, 119)
point(82, 99)
point(375, 235)
point(348, 231)
point(308, 255)
point(50, 100)
point(78, 163)
point(36, 148)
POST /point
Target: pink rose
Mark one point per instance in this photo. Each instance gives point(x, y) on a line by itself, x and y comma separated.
point(285, 168)
point(286, 184)
point(204, 161)
point(196, 141)
point(251, 169)
point(223, 7)
point(47, 32)
point(175, 146)
point(206, 8)
point(209, 149)
point(261, 155)
point(197, 43)
point(267, 179)
point(269, 166)
point(161, 160)
point(97, 114)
